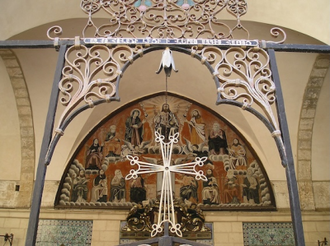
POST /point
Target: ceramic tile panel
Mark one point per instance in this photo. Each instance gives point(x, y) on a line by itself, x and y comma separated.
point(64, 233)
point(279, 233)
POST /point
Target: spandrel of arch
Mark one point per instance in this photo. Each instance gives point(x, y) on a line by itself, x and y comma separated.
point(94, 177)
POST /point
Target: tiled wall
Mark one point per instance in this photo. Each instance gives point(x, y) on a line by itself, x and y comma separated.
point(230, 228)
point(273, 233)
point(64, 232)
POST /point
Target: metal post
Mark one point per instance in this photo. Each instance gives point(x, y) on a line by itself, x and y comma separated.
point(290, 171)
point(165, 240)
point(31, 234)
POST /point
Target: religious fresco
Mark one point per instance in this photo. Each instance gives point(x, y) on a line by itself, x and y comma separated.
point(95, 176)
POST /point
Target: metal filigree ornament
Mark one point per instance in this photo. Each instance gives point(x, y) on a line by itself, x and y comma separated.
point(164, 19)
point(178, 19)
point(166, 211)
point(92, 73)
point(244, 76)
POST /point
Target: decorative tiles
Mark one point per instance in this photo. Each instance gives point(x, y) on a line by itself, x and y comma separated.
point(280, 233)
point(64, 233)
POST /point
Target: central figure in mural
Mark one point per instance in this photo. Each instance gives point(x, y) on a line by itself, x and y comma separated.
point(166, 123)
point(235, 177)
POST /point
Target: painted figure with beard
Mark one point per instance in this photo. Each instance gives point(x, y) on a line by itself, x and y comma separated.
point(236, 154)
point(112, 146)
point(80, 190)
point(217, 141)
point(117, 188)
point(134, 128)
point(210, 192)
point(196, 127)
point(100, 188)
point(166, 122)
point(250, 188)
point(231, 188)
point(94, 156)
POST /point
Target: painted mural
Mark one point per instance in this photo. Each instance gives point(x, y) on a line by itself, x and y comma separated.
point(95, 177)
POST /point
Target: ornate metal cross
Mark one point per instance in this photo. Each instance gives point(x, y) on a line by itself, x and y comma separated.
point(166, 206)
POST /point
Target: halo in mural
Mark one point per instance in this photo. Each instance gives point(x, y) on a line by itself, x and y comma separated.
point(95, 175)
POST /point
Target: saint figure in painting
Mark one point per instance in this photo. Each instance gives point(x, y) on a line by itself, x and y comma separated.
point(94, 155)
point(196, 127)
point(80, 190)
point(217, 141)
point(117, 187)
point(231, 188)
point(188, 189)
point(250, 188)
point(100, 188)
point(210, 192)
point(236, 154)
point(166, 122)
point(112, 146)
point(134, 128)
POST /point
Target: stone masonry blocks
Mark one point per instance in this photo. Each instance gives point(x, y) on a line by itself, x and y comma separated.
point(315, 82)
point(11, 62)
point(305, 135)
point(306, 195)
point(304, 170)
point(304, 155)
point(319, 72)
point(305, 132)
point(323, 62)
point(26, 126)
point(304, 144)
point(306, 124)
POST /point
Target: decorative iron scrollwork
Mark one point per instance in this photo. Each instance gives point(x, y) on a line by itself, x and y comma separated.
point(277, 32)
point(179, 19)
point(189, 216)
point(162, 19)
point(244, 76)
point(91, 74)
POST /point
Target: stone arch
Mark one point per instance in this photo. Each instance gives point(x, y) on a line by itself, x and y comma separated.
point(24, 109)
point(305, 130)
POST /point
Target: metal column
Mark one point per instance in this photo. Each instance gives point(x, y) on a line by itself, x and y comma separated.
point(289, 169)
point(42, 165)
